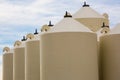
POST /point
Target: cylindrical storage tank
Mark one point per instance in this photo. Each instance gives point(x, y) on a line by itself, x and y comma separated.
point(32, 58)
point(69, 52)
point(104, 30)
point(7, 64)
point(19, 61)
point(110, 50)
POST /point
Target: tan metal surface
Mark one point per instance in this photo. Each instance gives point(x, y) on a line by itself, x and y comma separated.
point(19, 63)
point(69, 56)
point(8, 66)
point(32, 60)
point(110, 51)
point(93, 24)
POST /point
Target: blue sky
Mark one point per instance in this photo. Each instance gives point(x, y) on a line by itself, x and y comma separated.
point(19, 17)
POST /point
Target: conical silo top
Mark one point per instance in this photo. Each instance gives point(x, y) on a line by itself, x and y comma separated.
point(87, 12)
point(116, 29)
point(68, 24)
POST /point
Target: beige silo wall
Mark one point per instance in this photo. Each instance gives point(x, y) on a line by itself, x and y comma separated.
point(110, 50)
point(93, 24)
point(32, 60)
point(69, 56)
point(8, 66)
point(99, 62)
point(19, 63)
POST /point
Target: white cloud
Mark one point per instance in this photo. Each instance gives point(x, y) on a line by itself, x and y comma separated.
point(23, 14)
point(35, 12)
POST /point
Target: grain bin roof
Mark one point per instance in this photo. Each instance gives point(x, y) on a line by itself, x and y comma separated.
point(87, 12)
point(69, 24)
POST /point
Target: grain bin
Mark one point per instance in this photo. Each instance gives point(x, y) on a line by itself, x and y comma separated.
point(19, 61)
point(103, 31)
point(110, 50)
point(7, 64)
point(69, 52)
point(32, 58)
point(90, 18)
